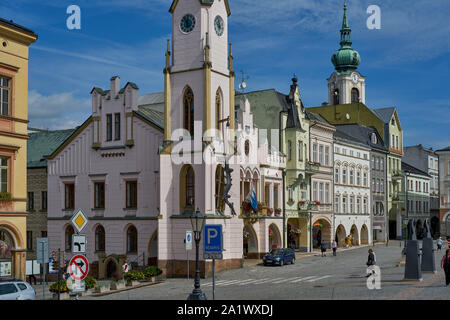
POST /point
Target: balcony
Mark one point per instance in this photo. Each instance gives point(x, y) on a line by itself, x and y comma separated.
point(397, 175)
point(305, 206)
point(312, 167)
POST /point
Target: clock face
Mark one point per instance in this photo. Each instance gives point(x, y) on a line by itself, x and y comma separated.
point(355, 78)
point(219, 25)
point(187, 23)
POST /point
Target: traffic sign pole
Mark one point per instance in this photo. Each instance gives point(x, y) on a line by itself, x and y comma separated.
point(214, 278)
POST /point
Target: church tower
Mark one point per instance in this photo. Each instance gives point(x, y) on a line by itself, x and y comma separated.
point(199, 77)
point(346, 85)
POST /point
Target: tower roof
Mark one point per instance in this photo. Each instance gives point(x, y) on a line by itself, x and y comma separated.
point(346, 58)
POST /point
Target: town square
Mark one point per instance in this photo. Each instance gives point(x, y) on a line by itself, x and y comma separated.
point(224, 150)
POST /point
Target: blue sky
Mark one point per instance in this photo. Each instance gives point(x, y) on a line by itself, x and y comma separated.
point(406, 62)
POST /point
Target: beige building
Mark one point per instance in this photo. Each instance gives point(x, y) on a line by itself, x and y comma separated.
point(444, 187)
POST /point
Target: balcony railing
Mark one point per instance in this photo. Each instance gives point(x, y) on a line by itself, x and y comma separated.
point(308, 206)
point(312, 167)
point(398, 175)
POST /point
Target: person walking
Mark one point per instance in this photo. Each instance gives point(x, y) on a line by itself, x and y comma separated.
point(347, 241)
point(439, 244)
point(334, 246)
point(323, 248)
point(370, 262)
point(30, 277)
point(445, 264)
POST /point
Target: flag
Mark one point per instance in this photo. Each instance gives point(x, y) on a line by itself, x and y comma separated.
point(254, 203)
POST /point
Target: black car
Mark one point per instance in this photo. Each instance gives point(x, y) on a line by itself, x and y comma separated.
point(279, 257)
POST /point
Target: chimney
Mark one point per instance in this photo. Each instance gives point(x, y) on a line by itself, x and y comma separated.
point(115, 86)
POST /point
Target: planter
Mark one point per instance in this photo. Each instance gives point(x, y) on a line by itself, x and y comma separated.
point(118, 285)
point(102, 289)
point(62, 296)
point(133, 283)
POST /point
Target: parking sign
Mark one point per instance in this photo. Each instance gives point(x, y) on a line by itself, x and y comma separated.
point(213, 242)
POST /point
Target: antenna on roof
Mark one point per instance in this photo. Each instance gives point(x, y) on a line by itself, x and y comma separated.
point(243, 84)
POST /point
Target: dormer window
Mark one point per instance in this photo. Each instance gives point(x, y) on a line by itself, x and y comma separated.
point(374, 138)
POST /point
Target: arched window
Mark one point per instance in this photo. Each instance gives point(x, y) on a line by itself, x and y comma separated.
point(220, 186)
point(336, 97)
point(218, 109)
point(188, 102)
point(68, 237)
point(187, 189)
point(131, 240)
point(100, 239)
point(355, 95)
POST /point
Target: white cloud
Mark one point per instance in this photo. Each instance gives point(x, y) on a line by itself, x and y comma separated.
point(57, 111)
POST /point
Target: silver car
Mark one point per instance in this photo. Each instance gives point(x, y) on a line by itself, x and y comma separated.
point(16, 290)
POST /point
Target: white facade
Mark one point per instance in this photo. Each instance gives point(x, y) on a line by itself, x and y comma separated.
point(352, 203)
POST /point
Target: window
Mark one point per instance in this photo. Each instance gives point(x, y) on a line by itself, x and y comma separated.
point(327, 192)
point(8, 288)
point(358, 205)
point(44, 200)
point(336, 205)
point(378, 186)
point(275, 196)
point(99, 195)
point(355, 95)
point(336, 174)
point(30, 201)
point(365, 179)
point(315, 198)
point(321, 155)
point(352, 201)
point(315, 152)
point(373, 138)
point(190, 188)
point(365, 206)
point(344, 205)
point(22, 286)
point(100, 239)
point(219, 191)
point(289, 150)
point(108, 127)
point(373, 185)
point(267, 195)
point(44, 234)
point(218, 109)
point(358, 177)
point(382, 186)
point(327, 155)
point(396, 142)
point(344, 175)
point(68, 237)
point(69, 190)
point(4, 174)
point(131, 240)
point(303, 191)
point(381, 164)
point(117, 126)
point(352, 178)
point(29, 240)
point(131, 194)
point(4, 96)
point(300, 151)
point(188, 102)
point(247, 147)
point(321, 198)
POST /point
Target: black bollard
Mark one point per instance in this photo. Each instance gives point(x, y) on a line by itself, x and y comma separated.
point(428, 261)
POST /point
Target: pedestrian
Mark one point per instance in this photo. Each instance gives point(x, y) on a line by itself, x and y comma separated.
point(347, 241)
point(323, 249)
point(371, 262)
point(439, 244)
point(334, 246)
point(32, 276)
point(445, 264)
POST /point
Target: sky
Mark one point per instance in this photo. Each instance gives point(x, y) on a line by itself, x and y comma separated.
point(406, 61)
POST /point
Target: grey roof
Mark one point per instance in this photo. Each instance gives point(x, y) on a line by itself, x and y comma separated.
point(44, 143)
point(445, 149)
point(316, 117)
point(409, 168)
point(385, 114)
point(152, 115)
point(10, 23)
point(151, 98)
point(362, 134)
point(343, 137)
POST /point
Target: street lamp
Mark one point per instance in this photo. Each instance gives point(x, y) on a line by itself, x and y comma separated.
point(197, 221)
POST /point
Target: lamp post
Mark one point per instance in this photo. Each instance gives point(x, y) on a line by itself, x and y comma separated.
point(197, 221)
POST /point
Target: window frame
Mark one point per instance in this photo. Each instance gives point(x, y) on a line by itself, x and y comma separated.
point(8, 89)
point(99, 195)
point(131, 199)
point(69, 196)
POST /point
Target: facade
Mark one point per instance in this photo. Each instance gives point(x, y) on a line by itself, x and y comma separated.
point(109, 168)
point(417, 198)
point(428, 161)
point(14, 42)
point(444, 188)
point(352, 192)
point(40, 144)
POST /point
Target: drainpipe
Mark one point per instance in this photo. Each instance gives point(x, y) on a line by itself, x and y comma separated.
point(284, 209)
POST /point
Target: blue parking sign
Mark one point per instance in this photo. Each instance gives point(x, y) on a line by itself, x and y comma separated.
point(213, 241)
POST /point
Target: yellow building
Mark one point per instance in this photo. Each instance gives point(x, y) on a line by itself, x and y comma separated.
point(14, 43)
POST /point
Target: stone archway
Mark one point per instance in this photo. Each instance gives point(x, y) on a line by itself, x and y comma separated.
point(111, 267)
point(274, 237)
point(152, 251)
point(354, 234)
point(322, 233)
point(250, 243)
point(340, 235)
point(13, 257)
point(364, 234)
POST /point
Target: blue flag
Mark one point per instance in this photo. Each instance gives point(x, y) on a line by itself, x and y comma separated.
point(253, 202)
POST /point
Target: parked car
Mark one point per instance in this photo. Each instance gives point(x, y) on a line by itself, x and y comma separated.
point(279, 257)
point(16, 290)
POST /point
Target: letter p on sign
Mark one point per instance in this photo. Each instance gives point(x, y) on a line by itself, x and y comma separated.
point(212, 233)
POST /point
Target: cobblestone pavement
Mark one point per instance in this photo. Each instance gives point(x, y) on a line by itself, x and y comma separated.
point(311, 277)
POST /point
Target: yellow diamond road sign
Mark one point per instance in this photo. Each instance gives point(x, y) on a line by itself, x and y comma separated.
point(79, 220)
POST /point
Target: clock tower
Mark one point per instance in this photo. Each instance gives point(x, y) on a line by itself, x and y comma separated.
point(199, 77)
point(346, 85)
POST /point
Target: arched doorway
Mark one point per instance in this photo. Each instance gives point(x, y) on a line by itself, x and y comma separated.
point(322, 233)
point(274, 237)
point(152, 251)
point(250, 242)
point(6, 247)
point(354, 234)
point(364, 235)
point(111, 269)
point(340, 236)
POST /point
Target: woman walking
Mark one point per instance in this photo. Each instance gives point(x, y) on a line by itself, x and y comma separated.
point(334, 246)
point(371, 262)
point(439, 244)
point(445, 264)
point(323, 248)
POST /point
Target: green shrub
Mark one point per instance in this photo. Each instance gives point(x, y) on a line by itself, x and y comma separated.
point(63, 287)
point(152, 271)
point(90, 282)
point(134, 275)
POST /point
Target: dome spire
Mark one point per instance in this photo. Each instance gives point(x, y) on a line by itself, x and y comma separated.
point(346, 58)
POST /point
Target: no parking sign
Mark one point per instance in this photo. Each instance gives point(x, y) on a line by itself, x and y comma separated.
point(78, 267)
